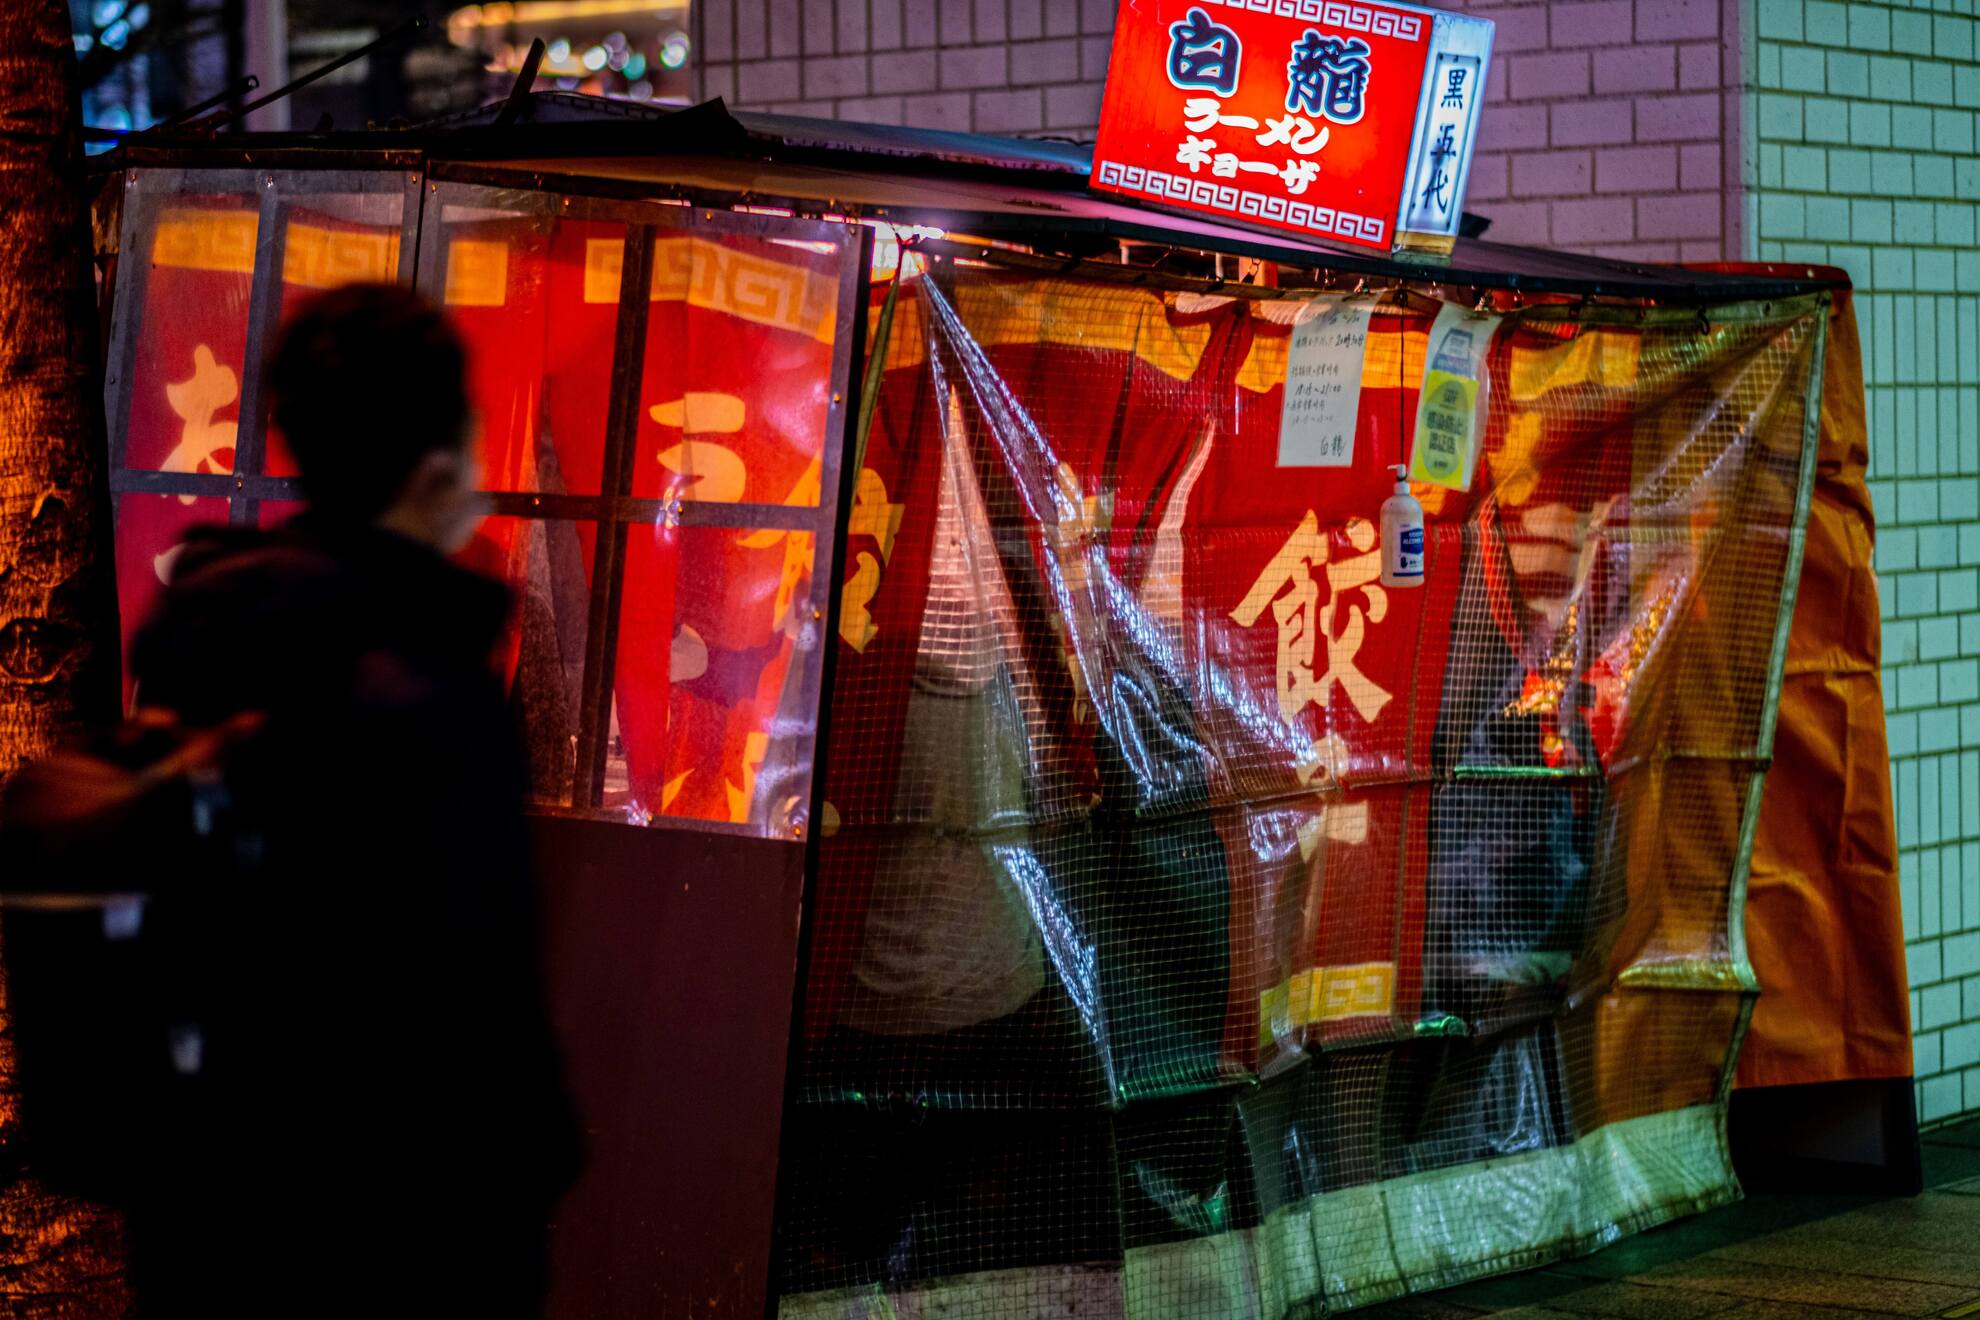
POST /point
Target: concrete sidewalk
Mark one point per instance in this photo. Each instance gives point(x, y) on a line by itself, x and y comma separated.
point(1770, 1257)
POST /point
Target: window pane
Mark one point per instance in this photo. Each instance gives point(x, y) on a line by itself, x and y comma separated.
point(185, 379)
point(532, 298)
point(332, 239)
point(547, 566)
point(714, 686)
point(737, 381)
point(273, 513)
point(150, 529)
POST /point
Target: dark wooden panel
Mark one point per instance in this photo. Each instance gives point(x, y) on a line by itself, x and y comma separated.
point(671, 963)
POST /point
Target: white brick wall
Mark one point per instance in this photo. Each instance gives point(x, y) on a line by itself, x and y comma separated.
point(985, 66)
point(1606, 127)
point(1865, 160)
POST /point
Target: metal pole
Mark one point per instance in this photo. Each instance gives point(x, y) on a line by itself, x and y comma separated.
point(233, 33)
point(267, 42)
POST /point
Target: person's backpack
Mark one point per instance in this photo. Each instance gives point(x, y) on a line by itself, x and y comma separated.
point(111, 855)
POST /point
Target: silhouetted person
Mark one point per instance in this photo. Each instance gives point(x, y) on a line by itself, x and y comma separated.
point(380, 1126)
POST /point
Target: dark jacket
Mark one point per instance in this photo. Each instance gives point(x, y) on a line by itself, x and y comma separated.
point(382, 1117)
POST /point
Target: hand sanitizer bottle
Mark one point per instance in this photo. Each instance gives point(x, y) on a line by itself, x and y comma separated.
point(1402, 535)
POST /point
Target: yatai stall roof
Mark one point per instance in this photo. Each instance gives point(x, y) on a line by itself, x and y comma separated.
point(1023, 190)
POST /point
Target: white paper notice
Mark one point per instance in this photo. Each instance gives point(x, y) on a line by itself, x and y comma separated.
point(1323, 385)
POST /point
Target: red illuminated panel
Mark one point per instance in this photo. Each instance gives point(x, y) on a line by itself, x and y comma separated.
point(192, 342)
point(151, 529)
point(1300, 118)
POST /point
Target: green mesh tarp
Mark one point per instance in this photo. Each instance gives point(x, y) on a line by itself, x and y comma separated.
point(1206, 929)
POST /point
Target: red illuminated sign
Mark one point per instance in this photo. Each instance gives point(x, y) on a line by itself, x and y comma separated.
point(1307, 115)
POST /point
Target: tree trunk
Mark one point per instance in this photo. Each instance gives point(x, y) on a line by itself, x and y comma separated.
point(58, 1257)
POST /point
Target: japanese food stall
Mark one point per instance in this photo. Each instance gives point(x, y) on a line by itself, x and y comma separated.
point(1008, 847)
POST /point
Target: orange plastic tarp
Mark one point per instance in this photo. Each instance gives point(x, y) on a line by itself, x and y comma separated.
point(1823, 924)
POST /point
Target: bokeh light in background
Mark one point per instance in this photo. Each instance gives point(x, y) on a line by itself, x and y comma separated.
point(146, 60)
point(121, 101)
point(634, 50)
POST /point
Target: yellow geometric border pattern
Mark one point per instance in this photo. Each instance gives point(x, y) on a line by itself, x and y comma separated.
point(1326, 994)
point(720, 278)
point(316, 258)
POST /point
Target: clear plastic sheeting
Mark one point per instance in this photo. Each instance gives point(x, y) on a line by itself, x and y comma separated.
point(1206, 929)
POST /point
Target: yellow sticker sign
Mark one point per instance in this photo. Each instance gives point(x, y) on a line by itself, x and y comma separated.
point(1449, 420)
point(1444, 439)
